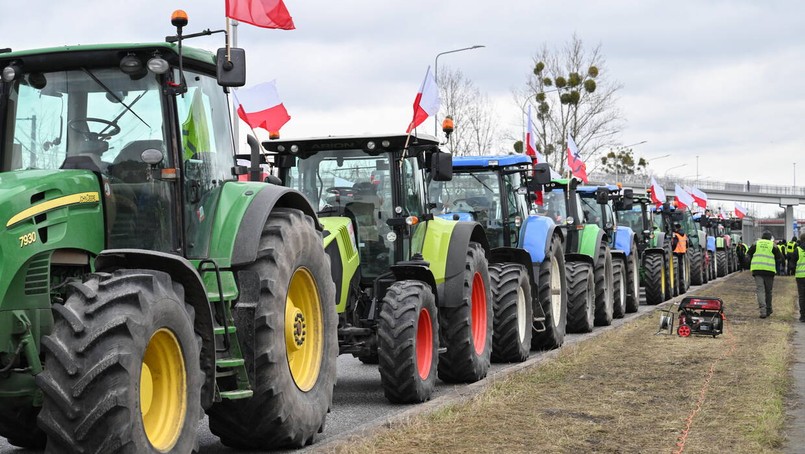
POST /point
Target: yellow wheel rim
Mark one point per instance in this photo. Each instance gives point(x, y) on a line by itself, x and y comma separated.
point(163, 390)
point(304, 328)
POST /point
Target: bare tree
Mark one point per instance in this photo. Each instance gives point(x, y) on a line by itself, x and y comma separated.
point(573, 96)
point(472, 113)
point(622, 161)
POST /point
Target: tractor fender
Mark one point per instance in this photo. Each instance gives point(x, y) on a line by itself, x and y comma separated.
point(463, 233)
point(575, 257)
point(183, 272)
point(410, 271)
point(618, 254)
point(591, 240)
point(244, 249)
point(660, 237)
point(521, 257)
point(711, 243)
point(652, 250)
point(624, 238)
point(536, 235)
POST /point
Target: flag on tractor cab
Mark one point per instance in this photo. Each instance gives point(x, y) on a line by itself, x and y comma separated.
point(426, 102)
point(657, 193)
point(682, 197)
point(261, 13)
point(531, 150)
point(577, 166)
point(740, 211)
point(195, 128)
point(698, 195)
point(260, 107)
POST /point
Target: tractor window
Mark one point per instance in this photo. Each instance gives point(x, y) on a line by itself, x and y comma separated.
point(476, 195)
point(207, 155)
point(554, 205)
point(515, 205)
point(592, 211)
point(412, 183)
point(632, 218)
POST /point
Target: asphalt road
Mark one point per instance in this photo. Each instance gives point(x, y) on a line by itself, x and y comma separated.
point(358, 401)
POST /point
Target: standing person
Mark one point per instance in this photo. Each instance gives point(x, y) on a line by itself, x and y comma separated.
point(780, 259)
point(740, 250)
point(762, 256)
point(679, 244)
point(791, 254)
point(800, 275)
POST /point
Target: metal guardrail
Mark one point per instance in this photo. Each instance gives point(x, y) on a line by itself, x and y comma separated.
point(668, 183)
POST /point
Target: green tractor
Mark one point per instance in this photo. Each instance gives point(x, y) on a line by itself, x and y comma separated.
point(414, 293)
point(588, 259)
point(141, 284)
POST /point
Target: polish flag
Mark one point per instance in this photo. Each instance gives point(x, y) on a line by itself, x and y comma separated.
point(262, 13)
point(531, 150)
point(426, 102)
point(682, 198)
point(657, 193)
point(260, 107)
point(698, 195)
point(740, 210)
point(574, 161)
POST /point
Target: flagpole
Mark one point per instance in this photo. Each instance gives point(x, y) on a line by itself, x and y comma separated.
point(234, 43)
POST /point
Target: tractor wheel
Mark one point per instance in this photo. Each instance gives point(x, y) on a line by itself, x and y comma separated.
point(673, 282)
point(291, 356)
point(123, 370)
point(18, 423)
point(619, 289)
point(466, 330)
point(408, 342)
point(682, 273)
point(580, 297)
point(721, 262)
point(696, 269)
point(713, 264)
point(604, 288)
point(514, 312)
point(656, 282)
point(633, 281)
point(552, 298)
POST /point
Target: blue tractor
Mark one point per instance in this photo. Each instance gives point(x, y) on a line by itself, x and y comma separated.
point(531, 298)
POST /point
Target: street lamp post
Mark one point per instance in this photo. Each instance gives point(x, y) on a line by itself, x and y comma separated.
point(672, 168)
point(436, 76)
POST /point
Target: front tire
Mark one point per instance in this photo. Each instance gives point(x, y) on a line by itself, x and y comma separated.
point(553, 299)
point(514, 312)
point(408, 342)
point(580, 297)
point(291, 357)
point(619, 289)
point(123, 370)
point(604, 281)
point(633, 277)
point(655, 279)
point(721, 262)
point(696, 267)
point(466, 329)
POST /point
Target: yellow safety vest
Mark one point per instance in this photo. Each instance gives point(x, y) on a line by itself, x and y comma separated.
point(801, 263)
point(791, 246)
point(763, 258)
point(681, 244)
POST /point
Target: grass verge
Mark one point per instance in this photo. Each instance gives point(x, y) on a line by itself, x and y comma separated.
point(628, 390)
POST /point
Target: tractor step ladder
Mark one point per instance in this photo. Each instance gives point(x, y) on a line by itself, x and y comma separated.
point(229, 360)
point(539, 318)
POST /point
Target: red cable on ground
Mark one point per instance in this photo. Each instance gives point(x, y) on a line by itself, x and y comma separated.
point(683, 436)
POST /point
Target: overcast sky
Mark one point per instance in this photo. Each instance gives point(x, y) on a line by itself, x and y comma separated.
point(721, 80)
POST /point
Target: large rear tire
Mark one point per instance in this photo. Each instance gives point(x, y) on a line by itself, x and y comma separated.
point(721, 262)
point(292, 354)
point(553, 299)
point(713, 272)
point(18, 423)
point(655, 278)
point(408, 342)
point(633, 281)
point(514, 312)
point(466, 330)
point(580, 297)
point(604, 286)
point(619, 289)
point(696, 267)
point(123, 370)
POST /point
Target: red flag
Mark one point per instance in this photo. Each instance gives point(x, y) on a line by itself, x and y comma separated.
point(262, 13)
point(698, 195)
point(260, 107)
point(577, 166)
point(426, 102)
point(682, 198)
point(657, 193)
point(740, 211)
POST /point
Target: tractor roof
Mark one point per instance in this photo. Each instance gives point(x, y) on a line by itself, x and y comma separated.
point(200, 55)
point(592, 189)
point(373, 144)
point(490, 161)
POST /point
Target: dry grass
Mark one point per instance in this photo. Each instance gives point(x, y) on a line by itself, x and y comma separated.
point(628, 391)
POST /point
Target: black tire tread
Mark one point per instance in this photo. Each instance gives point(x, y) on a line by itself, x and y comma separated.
point(553, 336)
point(653, 264)
point(506, 278)
point(579, 301)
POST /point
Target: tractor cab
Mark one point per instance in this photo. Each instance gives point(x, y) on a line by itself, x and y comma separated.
point(597, 207)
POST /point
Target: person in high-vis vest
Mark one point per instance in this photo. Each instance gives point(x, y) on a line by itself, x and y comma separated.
point(740, 251)
point(763, 257)
point(800, 276)
point(781, 260)
point(679, 245)
point(791, 255)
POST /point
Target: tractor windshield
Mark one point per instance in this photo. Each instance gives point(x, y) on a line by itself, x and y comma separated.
point(554, 205)
point(632, 218)
point(593, 212)
point(476, 194)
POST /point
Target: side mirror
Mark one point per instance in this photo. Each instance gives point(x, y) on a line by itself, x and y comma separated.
point(232, 70)
point(602, 196)
point(441, 166)
point(542, 173)
point(626, 202)
point(285, 161)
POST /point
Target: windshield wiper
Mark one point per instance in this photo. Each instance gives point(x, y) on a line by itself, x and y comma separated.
point(114, 95)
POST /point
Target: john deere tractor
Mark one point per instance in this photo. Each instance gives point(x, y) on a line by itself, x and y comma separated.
point(141, 284)
point(413, 291)
point(589, 269)
point(528, 278)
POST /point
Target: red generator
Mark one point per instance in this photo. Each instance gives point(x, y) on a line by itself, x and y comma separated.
point(701, 315)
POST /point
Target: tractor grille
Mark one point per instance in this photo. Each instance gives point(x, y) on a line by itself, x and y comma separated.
point(347, 240)
point(37, 279)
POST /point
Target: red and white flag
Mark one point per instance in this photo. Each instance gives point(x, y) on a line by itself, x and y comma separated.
point(740, 210)
point(682, 198)
point(574, 161)
point(426, 102)
point(531, 140)
point(698, 195)
point(260, 107)
point(262, 13)
point(657, 193)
